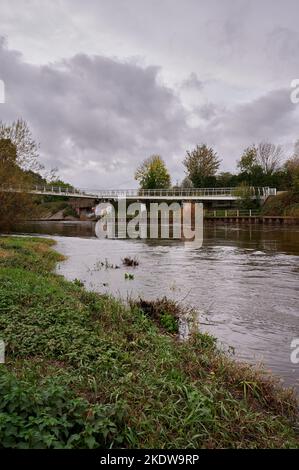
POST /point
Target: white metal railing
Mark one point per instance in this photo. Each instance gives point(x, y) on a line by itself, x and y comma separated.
point(262, 193)
point(220, 213)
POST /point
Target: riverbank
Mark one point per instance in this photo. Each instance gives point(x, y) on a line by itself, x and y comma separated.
point(83, 370)
point(284, 204)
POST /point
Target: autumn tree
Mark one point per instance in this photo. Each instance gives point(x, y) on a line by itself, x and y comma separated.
point(201, 165)
point(153, 174)
point(18, 161)
point(19, 134)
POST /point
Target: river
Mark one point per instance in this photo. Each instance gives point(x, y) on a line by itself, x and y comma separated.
point(244, 281)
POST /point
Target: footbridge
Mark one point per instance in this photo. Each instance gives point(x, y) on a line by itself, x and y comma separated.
point(146, 195)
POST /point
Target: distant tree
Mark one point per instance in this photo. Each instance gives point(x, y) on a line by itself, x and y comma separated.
point(201, 165)
point(61, 184)
point(53, 179)
point(186, 183)
point(251, 172)
point(269, 157)
point(248, 161)
point(226, 180)
point(153, 174)
point(261, 165)
point(19, 134)
point(35, 178)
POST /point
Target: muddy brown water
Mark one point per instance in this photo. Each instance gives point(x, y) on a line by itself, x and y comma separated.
point(244, 281)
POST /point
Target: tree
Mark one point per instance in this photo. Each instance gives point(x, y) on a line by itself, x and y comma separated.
point(226, 179)
point(251, 172)
point(261, 165)
point(153, 174)
point(248, 161)
point(269, 157)
point(186, 183)
point(292, 172)
point(13, 205)
point(19, 134)
point(201, 165)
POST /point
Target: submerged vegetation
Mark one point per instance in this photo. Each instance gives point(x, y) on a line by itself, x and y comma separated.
point(84, 370)
point(128, 261)
point(129, 276)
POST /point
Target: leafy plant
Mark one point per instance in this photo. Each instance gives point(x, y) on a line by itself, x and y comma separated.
point(49, 415)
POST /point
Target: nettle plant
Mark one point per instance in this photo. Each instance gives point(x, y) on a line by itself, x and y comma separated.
point(48, 415)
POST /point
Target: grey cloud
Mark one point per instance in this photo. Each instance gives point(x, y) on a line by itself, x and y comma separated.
point(268, 117)
point(94, 113)
point(192, 82)
point(271, 117)
point(97, 117)
point(207, 111)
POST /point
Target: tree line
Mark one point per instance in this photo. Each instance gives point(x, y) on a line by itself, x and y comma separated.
point(259, 165)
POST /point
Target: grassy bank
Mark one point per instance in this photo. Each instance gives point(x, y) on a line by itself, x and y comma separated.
point(284, 204)
point(83, 370)
point(46, 210)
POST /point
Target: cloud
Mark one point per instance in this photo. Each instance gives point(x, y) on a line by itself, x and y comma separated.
point(270, 117)
point(192, 82)
point(94, 116)
point(97, 117)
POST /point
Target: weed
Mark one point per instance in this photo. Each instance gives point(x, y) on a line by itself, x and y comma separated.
point(129, 276)
point(128, 261)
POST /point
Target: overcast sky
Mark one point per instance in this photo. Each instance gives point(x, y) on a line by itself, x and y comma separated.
point(104, 84)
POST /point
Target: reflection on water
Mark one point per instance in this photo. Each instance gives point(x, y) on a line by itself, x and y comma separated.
point(244, 281)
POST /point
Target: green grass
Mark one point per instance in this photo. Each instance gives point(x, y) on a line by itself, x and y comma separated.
point(84, 370)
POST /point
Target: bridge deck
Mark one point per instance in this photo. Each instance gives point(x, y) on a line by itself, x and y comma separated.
point(194, 194)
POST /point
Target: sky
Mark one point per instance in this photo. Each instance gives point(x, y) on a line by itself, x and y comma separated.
point(104, 84)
